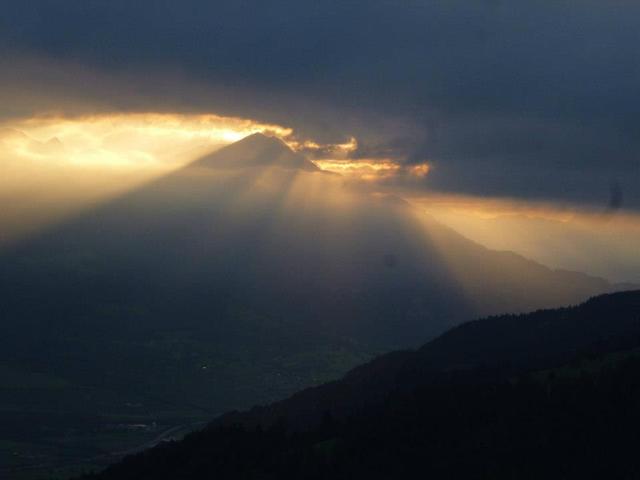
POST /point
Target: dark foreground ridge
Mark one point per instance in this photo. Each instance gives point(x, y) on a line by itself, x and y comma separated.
point(551, 394)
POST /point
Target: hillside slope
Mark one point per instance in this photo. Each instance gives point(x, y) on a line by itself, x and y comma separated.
point(552, 394)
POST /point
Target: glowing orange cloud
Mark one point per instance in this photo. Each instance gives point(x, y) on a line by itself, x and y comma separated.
point(55, 166)
point(331, 150)
point(125, 140)
point(373, 169)
point(421, 170)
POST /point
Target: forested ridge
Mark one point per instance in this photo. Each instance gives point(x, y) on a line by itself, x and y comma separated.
point(553, 394)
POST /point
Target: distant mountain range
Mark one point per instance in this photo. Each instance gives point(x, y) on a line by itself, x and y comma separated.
point(240, 279)
point(551, 394)
point(258, 224)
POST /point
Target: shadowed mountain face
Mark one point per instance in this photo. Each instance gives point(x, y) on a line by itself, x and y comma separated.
point(244, 277)
point(552, 394)
point(257, 226)
point(486, 350)
point(236, 231)
point(256, 151)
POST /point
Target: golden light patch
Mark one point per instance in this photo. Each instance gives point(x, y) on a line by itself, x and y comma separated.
point(52, 167)
point(373, 169)
point(333, 150)
point(588, 239)
point(125, 140)
point(363, 169)
point(421, 170)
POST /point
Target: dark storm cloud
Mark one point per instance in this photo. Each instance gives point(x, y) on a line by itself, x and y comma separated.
point(526, 98)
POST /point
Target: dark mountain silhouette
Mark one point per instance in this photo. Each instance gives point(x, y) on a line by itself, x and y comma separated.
point(238, 280)
point(495, 347)
point(284, 242)
point(257, 150)
point(276, 262)
point(549, 394)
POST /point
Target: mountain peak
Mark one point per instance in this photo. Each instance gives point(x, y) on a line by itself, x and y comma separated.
point(256, 150)
point(260, 139)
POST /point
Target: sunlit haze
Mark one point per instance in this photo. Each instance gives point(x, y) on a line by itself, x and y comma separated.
point(56, 166)
point(330, 240)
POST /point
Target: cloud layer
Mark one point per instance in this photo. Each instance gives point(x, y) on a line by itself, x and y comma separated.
point(533, 99)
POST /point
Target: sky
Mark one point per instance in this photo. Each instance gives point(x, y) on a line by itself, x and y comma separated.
point(530, 105)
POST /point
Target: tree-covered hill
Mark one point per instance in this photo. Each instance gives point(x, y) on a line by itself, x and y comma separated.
point(551, 394)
